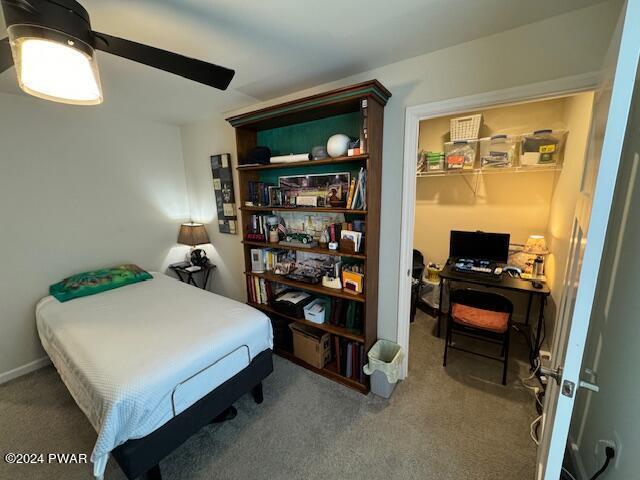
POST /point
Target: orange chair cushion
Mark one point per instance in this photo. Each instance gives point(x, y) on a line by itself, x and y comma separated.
point(478, 318)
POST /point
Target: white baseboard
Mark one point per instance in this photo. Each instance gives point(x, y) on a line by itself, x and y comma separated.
point(24, 369)
point(576, 460)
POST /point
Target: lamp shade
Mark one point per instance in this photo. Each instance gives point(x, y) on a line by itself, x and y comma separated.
point(193, 234)
point(536, 245)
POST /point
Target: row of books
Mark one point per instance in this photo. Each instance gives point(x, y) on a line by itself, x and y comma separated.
point(259, 193)
point(350, 358)
point(357, 198)
point(347, 314)
point(273, 256)
point(257, 228)
point(259, 290)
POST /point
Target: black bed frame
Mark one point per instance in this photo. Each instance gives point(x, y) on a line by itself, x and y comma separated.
point(141, 457)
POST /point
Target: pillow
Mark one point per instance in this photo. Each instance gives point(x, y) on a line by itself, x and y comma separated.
point(90, 283)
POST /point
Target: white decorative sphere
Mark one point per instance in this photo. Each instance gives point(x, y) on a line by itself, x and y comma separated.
point(337, 145)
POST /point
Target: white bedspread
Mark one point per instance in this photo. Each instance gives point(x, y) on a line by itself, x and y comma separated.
point(122, 353)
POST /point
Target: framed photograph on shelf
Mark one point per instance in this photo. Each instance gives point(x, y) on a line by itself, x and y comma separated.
point(328, 186)
point(275, 197)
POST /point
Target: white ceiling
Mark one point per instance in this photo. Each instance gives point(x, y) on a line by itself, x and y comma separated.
point(281, 46)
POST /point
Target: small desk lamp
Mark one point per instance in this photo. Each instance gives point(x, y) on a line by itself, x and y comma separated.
point(194, 234)
point(536, 245)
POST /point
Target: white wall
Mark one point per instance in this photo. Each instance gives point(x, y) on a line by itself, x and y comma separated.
point(200, 141)
point(613, 345)
point(80, 188)
point(577, 119)
point(516, 203)
point(562, 46)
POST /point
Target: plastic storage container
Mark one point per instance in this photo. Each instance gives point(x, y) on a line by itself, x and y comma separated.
point(383, 367)
point(499, 151)
point(543, 147)
point(434, 161)
point(315, 311)
point(460, 155)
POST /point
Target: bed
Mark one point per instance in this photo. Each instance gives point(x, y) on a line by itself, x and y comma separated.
point(151, 363)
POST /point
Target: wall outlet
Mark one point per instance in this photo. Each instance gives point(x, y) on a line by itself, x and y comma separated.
point(616, 444)
point(545, 357)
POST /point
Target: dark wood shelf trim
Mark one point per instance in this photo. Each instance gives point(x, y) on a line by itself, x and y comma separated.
point(329, 371)
point(323, 251)
point(371, 88)
point(329, 292)
point(326, 327)
point(307, 163)
point(303, 209)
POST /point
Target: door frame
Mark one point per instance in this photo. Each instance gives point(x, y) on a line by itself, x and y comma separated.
point(414, 114)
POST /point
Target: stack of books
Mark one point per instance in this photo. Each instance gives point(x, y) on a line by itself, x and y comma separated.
point(259, 290)
point(257, 229)
point(258, 194)
point(350, 358)
point(347, 314)
point(357, 197)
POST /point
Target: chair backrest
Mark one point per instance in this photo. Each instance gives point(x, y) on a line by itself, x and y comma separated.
point(479, 299)
point(418, 265)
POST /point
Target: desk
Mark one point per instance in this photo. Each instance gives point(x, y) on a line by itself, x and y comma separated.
point(502, 282)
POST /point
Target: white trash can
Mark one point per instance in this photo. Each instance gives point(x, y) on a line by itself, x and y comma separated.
point(384, 367)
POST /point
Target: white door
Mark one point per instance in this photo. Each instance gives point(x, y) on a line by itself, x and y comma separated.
point(611, 111)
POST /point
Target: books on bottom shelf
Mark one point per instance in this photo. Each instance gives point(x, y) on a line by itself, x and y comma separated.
point(350, 358)
point(259, 290)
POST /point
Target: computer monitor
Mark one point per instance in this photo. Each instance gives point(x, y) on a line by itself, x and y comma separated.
point(479, 246)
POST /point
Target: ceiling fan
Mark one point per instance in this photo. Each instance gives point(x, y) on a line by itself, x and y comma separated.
point(53, 48)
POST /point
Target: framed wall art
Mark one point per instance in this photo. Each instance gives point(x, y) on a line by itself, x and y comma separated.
point(225, 195)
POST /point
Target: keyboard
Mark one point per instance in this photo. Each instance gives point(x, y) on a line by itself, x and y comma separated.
point(482, 267)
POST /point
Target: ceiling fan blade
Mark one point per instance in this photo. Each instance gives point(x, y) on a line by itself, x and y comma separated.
point(196, 70)
point(23, 4)
point(6, 58)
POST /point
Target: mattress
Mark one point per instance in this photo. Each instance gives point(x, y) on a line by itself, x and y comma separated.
point(134, 357)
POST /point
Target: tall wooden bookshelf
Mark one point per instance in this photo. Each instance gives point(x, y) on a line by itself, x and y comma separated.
point(295, 127)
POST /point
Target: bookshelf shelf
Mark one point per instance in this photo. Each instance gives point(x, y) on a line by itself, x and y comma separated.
point(304, 210)
point(329, 292)
point(330, 371)
point(298, 126)
point(327, 327)
point(308, 163)
point(323, 251)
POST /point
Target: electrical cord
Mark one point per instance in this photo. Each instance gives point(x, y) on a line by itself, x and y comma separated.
point(532, 432)
point(566, 475)
point(610, 453)
point(535, 389)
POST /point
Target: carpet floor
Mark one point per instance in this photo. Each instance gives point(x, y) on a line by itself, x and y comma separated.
point(453, 423)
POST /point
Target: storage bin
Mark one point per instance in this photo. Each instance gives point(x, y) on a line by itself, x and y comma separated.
point(315, 311)
point(460, 155)
point(434, 161)
point(499, 151)
point(465, 128)
point(311, 345)
point(543, 147)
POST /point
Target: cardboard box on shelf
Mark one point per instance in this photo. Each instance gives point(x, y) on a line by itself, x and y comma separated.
point(311, 345)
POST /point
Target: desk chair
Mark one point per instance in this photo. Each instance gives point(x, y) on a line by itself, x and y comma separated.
point(481, 315)
point(417, 273)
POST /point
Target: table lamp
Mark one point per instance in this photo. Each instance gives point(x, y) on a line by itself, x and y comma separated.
point(536, 245)
point(194, 234)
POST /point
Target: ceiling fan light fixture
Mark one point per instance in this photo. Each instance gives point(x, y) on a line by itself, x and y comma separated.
point(54, 66)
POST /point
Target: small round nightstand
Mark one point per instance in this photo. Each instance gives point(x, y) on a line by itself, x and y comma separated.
point(186, 274)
